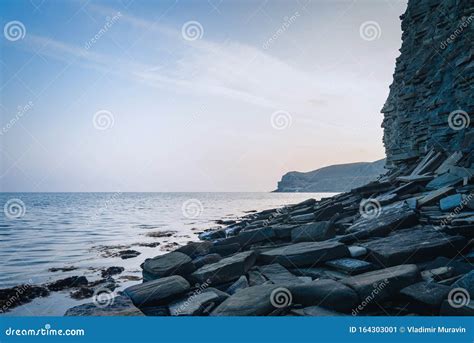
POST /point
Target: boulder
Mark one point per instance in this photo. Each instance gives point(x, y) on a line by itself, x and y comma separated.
point(249, 237)
point(206, 259)
point(173, 263)
point(256, 278)
point(413, 245)
point(120, 306)
point(350, 265)
point(158, 291)
point(195, 304)
point(241, 283)
point(326, 293)
point(278, 274)
point(195, 249)
point(225, 250)
point(227, 269)
point(382, 284)
point(425, 295)
point(69, 282)
point(313, 232)
point(283, 231)
point(112, 271)
point(304, 254)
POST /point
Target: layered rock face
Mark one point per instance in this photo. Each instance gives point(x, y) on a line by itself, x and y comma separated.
point(431, 96)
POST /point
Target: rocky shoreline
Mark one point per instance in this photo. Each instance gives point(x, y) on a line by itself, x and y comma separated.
point(399, 246)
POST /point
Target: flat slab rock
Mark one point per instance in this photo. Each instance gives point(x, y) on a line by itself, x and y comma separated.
point(196, 303)
point(426, 294)
point(305, 254)
point(157, 291)
point(351, 266)
point(120, 306)
point(173, 263)
point(278, 274)
point(383, 283)
point(313, 232)
point(413, 245)
point(227, 269)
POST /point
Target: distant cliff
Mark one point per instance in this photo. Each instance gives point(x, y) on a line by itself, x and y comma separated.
point(336, 178)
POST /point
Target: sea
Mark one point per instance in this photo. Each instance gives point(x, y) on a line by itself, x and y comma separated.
point(42, 233)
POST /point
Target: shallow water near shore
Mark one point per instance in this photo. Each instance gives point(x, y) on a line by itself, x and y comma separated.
point(87, 230)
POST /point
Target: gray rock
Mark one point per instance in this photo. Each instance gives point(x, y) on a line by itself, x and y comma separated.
point(326, 293)
point(195, 249)
point(350, 265)
point(426, 295)
point(252, 301)
point(466, 282)
point(283, 231)
point(227, 269)
point(448, 310)
point(247, 238)
point(305, 253)
point(313, 232)
point(413, 245)
point(206, 259)
point(225, 250)
point(194, 304)
point(241, 283)
point(173, 263)
point(120, 306)
point(381, 284)
point(303, 218)
point(256, 278)
point(158, 291)
point(278, 274)
point(357, 251)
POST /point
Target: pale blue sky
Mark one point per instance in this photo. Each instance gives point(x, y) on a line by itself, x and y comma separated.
point(190, 115)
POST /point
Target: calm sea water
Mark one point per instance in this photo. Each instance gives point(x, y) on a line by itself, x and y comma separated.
point(39, 231)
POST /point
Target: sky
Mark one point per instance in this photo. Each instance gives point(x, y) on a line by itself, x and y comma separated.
point(189, 96)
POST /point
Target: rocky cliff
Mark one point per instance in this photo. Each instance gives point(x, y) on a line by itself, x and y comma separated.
point(431, 97)
point(336, 178)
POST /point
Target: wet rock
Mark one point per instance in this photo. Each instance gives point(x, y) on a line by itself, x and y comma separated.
point(252, 301)
point(112, 271)
point(326, 293)
point(19, 295)
point(173, 263)
point(413, 245)
point(207, 259)
point(160, 234)
point(383, 283)
point(69, 282)
point(249, 237)
point(278, 274)
point(196, 249)
point(62, 269)
point(241, 283)
point(195, 304)
point(256, 278)
point(227, 269)
point(305, 253)
point(283, 231)
point(303, 218)
point(313, 232)
point(225, 250)
point(158, 291)
point(357, 251)
point(129, 253)
point(350, 265)
point(425, 295)
point(120, 306)
point(82, 293)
